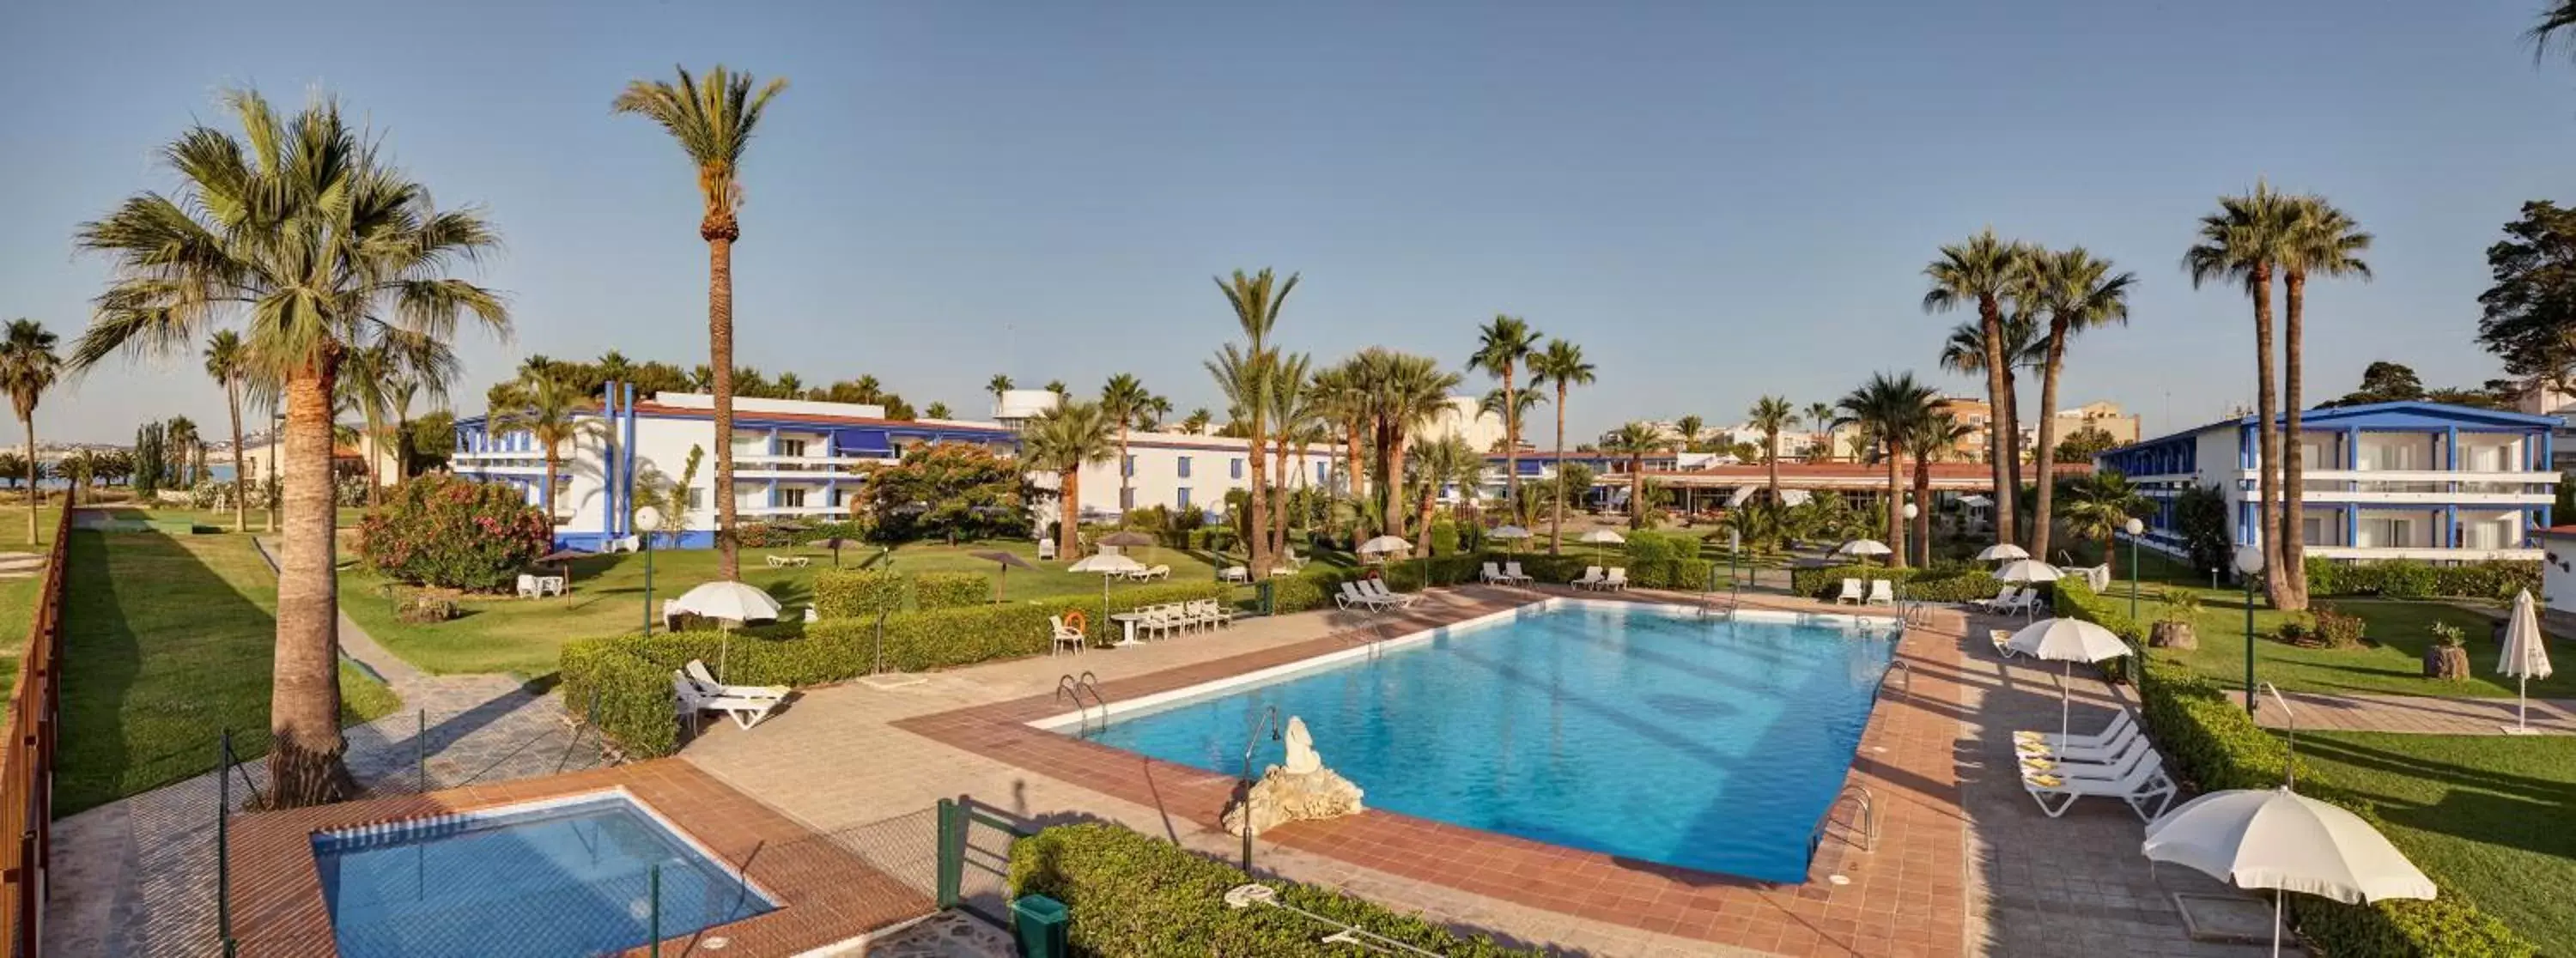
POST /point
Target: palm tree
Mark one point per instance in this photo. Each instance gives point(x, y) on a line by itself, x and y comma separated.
point(1821, 416)
point(181, 432)
point(2097, 505)
point(1770, 416)
point(1932, 437)
point(1560, 365)
point(1119, 400)
point(1435, 464)
point(1981, 272)
point(2554, 22)
point(1150, 413)
point(1689, 428)
point(1635, 440)
point(998, 385)
point(2244, 243)
point(28, 367)
point(1405, 393)
point(1063, 440)
point(1062, 392)
point(228, 362)
point(406, 389)
point(1196, 423)
point(550, 410)
point(1514, 407)
point(2325, 241)
point(1244, 374)
point(1293, 420)
point(1502, 347)
point(364, 376)
point(1888, 407)
point(2078, 292)
point(936, 410)
point(320, 249)
point(713, 123)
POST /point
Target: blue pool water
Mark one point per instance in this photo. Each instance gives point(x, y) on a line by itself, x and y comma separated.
point(1711, 745)
point(565, 880)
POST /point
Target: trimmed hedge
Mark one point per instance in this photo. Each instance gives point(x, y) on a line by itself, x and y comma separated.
point(1957, 584)
point(2412, 579)
point(1129, 894)
point(631, 674)
point(951, 590)
point(857, 593)
point(2211, 744)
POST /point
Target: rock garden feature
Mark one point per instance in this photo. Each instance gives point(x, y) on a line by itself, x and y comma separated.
point(1301, 790)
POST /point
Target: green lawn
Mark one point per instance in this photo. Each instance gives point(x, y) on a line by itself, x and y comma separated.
point(2489, 814)
point(167, 643)
point(208, 521)
point(13, 526)
point(2391, 659)
point(522, 636)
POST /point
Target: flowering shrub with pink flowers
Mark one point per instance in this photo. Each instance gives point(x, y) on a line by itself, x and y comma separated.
point(452, 533)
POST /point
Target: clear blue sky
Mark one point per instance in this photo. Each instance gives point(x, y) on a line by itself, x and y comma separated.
point(1716, 200)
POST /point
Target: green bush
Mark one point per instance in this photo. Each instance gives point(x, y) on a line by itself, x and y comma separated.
point(1129, 894)
point(2210, 743)
point(1444, 538)
point(857, 593)
point(453, 533)
point(950, 590)
point(2338, 630)
point(2412, 579)
point(632, 674)
point(1939, 584)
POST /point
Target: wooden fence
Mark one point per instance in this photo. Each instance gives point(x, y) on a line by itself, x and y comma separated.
point(27, 760)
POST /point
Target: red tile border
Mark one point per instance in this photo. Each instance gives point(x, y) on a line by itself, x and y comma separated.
point(1907, 896)
point(824, 893)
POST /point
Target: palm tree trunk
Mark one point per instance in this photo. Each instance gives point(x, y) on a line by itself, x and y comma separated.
point(1279, 498)
point(1556, 522)
point(2267, 402)
point(720, 355)
point(35, 496)
point(1923, 510)
point(546, 496)
point(1422, 537)
point(304, 707)
point(1069, 514)
point(1774, 440)
point(2010, 416)
point(1126, 493)
point(402, 447)
point(1395, 484)
point(2047, 458)
point(2293, 573)
point(1895, 506)
point(1990, 321)
point(1636, 491)
point(241, 473)
point(1258, 523)
point(1358, 475)
point(1511, 444)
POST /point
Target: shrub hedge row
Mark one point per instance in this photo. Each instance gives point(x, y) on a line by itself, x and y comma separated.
point(1130, 894)
point(1956, 584)
point(857, 593)
point(631, 674)
point(2211, 744)
point(951, 590)
point(2410, 579)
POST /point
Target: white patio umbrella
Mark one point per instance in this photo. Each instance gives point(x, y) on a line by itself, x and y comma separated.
point(2002, 552)
point(728, 602)
point(2027, 571)
point(1107, 564)
point(1599, 538)
point(2069, 641)
point(1864, 547)
point(1509, 534)
point(1384, 544)
point(2525, 657)
point(2287, 842)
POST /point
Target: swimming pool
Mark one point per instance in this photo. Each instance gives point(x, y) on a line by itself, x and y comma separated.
point(563, 877)
point(1643, 732)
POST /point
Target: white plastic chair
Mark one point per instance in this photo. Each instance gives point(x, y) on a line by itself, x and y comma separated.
point(1616, 581)
point(527, 586)
point(1850, 594)
point(1066, 635)
point(1881, 592)
point(1592, 578)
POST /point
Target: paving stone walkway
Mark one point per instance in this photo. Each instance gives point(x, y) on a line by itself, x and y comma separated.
point(137, 877)
point(2414, 714)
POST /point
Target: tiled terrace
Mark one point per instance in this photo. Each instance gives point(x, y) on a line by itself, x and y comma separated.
point(827, 894)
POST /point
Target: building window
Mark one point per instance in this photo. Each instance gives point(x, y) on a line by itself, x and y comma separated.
point(1185, 467)
point(1128, 467)
point(1321, 471)
point(697, 498)
point(791, 447)
point(1127, 498)
point(1184, 501)
point(1234, 470)
point(792, 498)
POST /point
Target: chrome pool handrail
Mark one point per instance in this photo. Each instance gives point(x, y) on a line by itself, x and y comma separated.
point(1868, 819)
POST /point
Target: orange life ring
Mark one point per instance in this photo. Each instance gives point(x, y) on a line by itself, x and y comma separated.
point(1073, 618)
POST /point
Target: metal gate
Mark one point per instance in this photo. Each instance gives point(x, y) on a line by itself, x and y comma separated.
point(975, 859)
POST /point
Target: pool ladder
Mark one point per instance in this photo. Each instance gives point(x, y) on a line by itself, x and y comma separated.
point(1867, 820)
point(1893, 667)
point(1073, 686)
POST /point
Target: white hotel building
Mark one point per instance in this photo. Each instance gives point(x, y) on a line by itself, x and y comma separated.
point(798, 459)
point(2398, 480)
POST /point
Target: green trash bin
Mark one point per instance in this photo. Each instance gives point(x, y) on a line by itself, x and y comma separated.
point(1039, 924)
point(1264, 590)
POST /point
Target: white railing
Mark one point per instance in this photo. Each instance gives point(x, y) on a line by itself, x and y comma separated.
point(2426, 553)
point(2415, 475)
point(750, 510)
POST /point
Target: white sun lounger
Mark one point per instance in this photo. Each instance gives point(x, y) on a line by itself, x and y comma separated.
point(694, 697)
point(2145, 784)
point(1617, 580)
point(1376, 589)
point(1493, 575)
point(2100, 765)
point(1592, 578)
point(2109, 738)
point(1881, 592)
point(1851, 593)
point(1512, 573)
point(697, 669)
point(2002, 596)
point(1351, 596)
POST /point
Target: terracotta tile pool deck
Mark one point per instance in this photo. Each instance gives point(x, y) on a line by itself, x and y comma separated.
point(1906, 897)
point(825, 893)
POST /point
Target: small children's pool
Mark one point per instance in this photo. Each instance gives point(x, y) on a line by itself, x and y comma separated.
point(1643, 732)
point(564, 877)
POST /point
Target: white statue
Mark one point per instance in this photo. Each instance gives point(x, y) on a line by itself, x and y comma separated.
point(1302, 759)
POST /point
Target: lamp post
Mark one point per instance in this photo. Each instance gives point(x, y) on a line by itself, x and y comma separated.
point(1912, 510)
point(2134, 528)
point(2249, 563)
point(276, 442)
point(647, 521)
